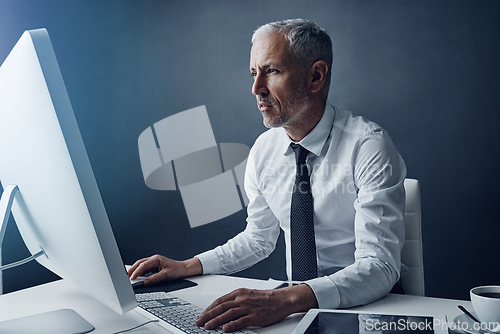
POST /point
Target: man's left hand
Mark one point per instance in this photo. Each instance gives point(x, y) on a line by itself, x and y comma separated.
point(245, 307)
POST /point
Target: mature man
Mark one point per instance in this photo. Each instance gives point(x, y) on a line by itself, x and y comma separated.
point(333, 182)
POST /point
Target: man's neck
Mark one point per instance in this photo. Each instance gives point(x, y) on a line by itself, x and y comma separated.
point(302, 127)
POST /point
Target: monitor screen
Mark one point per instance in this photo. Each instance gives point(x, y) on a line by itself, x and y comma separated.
point(58, 208)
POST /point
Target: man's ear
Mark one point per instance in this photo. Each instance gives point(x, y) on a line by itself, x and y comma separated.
point(317, 76)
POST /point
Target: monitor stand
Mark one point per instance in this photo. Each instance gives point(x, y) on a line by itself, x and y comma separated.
point(55, 322)
point(6, 201)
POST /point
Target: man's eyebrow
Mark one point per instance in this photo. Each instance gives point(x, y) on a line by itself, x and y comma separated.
point(263, 67)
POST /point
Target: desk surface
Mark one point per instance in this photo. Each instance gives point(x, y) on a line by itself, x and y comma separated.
point(61, 294)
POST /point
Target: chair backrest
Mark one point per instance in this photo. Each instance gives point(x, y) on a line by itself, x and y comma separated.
point(412, 255)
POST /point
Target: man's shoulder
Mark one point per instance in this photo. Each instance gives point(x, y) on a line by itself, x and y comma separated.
point(269, 136)
point(353, 124)
point(267, 144)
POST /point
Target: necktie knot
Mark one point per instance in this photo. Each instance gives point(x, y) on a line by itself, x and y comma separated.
point(300, 153)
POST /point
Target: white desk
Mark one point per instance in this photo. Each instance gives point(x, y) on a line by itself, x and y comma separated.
point(60, 294)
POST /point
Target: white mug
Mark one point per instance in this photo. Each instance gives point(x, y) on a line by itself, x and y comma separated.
point(486, 303)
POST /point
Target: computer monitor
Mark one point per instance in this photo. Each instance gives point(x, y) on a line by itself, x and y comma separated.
point(58, 208)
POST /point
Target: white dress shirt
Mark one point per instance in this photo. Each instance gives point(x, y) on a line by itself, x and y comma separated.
point(357, 180)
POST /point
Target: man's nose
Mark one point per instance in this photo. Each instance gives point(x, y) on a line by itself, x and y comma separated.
point(259, 86)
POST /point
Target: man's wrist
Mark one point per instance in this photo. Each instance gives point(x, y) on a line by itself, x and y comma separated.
point(192, 267)
point(300, 298)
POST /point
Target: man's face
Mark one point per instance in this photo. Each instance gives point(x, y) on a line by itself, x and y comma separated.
point(279, 82)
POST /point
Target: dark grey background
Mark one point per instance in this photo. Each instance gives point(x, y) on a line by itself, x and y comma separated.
point(425, 70)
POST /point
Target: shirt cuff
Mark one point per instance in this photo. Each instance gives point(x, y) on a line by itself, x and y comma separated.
point(209, 262)
point(326, 292)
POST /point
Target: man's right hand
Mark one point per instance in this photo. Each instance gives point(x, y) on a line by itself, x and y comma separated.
point(164, 269)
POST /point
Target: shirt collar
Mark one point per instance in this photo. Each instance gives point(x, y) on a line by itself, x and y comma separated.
point(315, 140)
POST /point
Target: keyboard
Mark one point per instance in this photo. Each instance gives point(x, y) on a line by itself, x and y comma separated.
point(177, 315)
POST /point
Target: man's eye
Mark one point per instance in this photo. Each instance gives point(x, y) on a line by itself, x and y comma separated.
point(272, 70)
point(253, 74)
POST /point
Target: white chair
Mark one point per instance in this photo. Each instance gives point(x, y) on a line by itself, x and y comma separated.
point(412, 255)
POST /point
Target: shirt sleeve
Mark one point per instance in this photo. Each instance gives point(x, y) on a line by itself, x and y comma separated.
point(255, 243)
point(379, 173)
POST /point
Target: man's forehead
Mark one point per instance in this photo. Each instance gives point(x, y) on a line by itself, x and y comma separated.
point(268, 48)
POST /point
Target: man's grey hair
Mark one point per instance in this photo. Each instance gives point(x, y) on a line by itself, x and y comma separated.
point(308, 42)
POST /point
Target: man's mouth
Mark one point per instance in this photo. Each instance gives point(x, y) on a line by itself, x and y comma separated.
point(265, 106)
